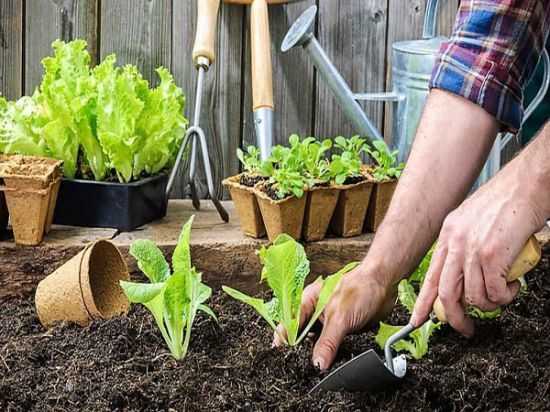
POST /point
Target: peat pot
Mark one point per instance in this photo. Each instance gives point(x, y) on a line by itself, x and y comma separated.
point(320, 204)
point(380, 198)
point(122, 206)
point(351, 209)
point(247, 207)
point(281, 216)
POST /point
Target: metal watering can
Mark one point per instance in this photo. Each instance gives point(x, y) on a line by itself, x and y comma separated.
point(413, 61)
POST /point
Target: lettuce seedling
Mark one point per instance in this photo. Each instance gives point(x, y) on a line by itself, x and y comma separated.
point(417, 342)
point(385, 168)
point(314, 164)
point(348, 163)
point(285, 268)
point(250, 160)
point(173, 298)
point(284, 170)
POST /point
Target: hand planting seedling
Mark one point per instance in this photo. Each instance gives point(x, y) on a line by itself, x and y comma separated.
point(173, 298)
point(285, 268)
point(385, 168)
point(345, 168)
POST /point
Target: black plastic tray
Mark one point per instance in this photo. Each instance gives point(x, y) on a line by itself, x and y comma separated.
point(122, 206)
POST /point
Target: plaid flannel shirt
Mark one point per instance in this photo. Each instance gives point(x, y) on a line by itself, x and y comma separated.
point(492, 53)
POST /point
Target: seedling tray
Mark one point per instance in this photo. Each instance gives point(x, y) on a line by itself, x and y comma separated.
point(122, 206)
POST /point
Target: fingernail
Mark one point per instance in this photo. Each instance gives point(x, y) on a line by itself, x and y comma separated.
point(319, 362)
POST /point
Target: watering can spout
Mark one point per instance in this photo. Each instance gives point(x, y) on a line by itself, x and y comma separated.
point(302, 34)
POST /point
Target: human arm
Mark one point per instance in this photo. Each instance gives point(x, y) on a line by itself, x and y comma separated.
point(435, 180)
point(480, 239)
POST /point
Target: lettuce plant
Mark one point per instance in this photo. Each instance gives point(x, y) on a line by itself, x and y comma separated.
point(285, 268)
point(348, 163)
point(284, 170)
point(385, 160)
point(313, 162)
point(250, 160)
point(173, 298)
point(101, 122)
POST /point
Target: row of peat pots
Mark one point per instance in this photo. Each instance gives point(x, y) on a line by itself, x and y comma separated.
point(348, 209)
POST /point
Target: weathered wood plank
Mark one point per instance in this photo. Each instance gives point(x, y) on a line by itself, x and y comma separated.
point(219, 250)
point(221, 108)
point(48, 20)
point(139, 33)
point(353, 34)
point(11, 48)
point(405, 22)
point(293, 79)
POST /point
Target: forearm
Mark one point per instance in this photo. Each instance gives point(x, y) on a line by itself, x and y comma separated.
point(451, 145)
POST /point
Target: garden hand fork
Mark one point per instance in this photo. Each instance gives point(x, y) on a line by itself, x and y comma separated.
point(203, 56)
point(368, 372)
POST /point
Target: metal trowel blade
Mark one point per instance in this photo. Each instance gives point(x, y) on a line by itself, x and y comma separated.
point(365, 372)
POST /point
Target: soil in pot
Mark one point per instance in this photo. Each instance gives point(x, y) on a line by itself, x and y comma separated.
point(380, 199)
point(320, 204)
point(351, 208)
point(4, 215)
point(281, 216)
point(123, 364)
point(246, 204)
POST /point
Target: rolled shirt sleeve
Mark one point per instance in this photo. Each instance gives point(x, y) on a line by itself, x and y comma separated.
point(492, 54)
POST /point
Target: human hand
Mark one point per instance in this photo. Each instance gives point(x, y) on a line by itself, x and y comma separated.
point(478, 243)
point(359, 300)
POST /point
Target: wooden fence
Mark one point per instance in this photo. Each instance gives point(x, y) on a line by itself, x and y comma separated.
point(357, 35)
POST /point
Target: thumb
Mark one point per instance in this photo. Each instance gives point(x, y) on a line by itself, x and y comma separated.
point(327, 346)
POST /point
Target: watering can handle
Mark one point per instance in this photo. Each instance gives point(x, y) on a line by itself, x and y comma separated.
point(430, 19)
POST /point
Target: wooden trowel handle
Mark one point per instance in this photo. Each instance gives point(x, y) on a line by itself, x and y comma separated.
point(262, 81)
point(527, 259)
point(207, 22)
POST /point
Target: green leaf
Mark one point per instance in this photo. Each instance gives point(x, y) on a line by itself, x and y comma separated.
point(141, 292)
point(182, 254)
point(150, 259)
point(407, 295)
point(208, 311)
point(257, 304)
point(478, 313)
point(417, 347)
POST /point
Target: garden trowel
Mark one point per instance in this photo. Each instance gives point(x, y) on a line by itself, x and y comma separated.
point(369, 372)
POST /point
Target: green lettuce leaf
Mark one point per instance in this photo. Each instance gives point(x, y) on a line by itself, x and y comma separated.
point(150, 260)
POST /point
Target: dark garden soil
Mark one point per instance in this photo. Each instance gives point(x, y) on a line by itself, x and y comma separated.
point(123, 364)
point(351, 180)
point(250, 180)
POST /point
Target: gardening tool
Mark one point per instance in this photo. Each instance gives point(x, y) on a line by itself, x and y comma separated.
point(413, 61)
point(262, 79)
point(368, 372)
point(203, 56)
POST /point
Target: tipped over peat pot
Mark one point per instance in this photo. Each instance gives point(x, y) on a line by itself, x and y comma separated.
point(122, 206)
point(380, 199)
point(351, 209)
point(320, 204)
point(281, 216)
point(85, 288)
point(247, 207)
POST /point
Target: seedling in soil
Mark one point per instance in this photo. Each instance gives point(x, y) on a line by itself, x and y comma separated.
point(173, 298)
point(313, 161)
point(284, 170)
point(285, 268)
point(346, 167)
point(386, 168)
point(252, 166)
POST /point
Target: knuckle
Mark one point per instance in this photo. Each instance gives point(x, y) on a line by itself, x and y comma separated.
point(328, 344)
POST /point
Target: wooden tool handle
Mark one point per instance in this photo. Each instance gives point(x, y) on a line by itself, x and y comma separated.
point(207, 22)
point(527, 259)
point(262, 81)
